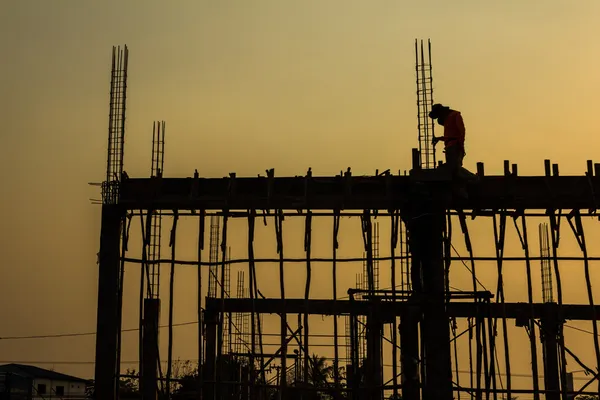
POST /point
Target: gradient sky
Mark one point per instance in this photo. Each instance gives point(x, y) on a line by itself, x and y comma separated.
point(245, 86)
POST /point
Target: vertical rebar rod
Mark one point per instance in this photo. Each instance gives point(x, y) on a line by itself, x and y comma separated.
point(155, 221)
point(201, 232)
point(124, 91)
point(307, 249)
point(335, 245)
point(116, 118)
point(418, 96)
point(111, 112)
point(426, 125)
point(171, 296)
point(532, 326)
point(431, 99)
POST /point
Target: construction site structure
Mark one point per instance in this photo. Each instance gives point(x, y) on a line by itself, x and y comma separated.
point(421, 318)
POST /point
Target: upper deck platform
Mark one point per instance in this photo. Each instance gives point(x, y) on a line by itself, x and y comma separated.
point(346, 192)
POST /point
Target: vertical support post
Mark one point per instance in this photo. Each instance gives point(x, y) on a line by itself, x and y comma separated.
point(499, 240)
point(108, 290)
point(395, 222)
point(211, 320)
point(373, 373)
point(150, 349)
point(555, 229)
point(307, 249)
point(125, 229)
point(354, 377)
point(336, 368)
point(531, 321)
point(143, 271)
point(409, 348)
point(251, 270)
point(283, 322)
point(172, 243)
point(549, 334)
point(426, 225)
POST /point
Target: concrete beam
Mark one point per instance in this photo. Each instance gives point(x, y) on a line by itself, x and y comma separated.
point(457, 309)
point(356, 193)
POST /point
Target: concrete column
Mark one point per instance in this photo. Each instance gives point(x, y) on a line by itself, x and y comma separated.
point(108, 306)
point(149, 373)
point(210, 355)
point(426, 225)
point(373, 372)
point(409, 353)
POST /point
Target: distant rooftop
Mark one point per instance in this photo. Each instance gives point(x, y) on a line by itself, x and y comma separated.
point(30, 371)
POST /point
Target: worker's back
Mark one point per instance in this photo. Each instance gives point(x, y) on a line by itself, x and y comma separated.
point(454, 129)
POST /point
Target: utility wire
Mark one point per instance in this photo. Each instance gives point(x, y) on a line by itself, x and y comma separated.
point(64, 335)
point(579, 329)
point(61, 335)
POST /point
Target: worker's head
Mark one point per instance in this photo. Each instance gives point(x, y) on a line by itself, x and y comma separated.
point(439, 112)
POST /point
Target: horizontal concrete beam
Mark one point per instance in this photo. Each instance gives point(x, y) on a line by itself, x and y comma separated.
point(357, 193)
point(456, 309)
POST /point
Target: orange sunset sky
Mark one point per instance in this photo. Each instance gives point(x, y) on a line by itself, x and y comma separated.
point(250, 85)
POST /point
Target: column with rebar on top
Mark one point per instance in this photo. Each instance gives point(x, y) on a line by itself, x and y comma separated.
point(110, 268)
point(425, 223)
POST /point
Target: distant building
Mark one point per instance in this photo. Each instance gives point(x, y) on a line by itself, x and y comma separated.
point(26, 382)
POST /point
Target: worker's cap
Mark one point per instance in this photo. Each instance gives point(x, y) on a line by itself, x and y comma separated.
point(437, 109)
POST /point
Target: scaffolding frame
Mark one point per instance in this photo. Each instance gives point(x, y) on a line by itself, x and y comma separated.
point(421, 210)
point(367, 302)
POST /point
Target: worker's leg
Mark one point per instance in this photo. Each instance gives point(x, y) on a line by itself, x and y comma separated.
point(453, 160)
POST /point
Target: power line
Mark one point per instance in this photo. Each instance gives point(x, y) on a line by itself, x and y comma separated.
point(579, 329)
point(63, 335)
point(77, 334)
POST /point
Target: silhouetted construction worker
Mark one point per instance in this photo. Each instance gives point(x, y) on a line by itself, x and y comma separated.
point(454, 135)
